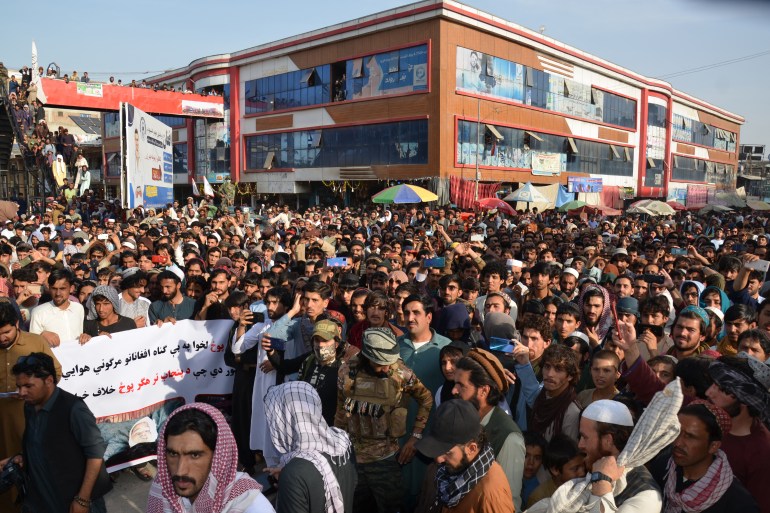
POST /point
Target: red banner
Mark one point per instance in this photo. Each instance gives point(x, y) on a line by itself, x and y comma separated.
point(462, 191)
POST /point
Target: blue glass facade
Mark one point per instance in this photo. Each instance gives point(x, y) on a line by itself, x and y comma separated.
point(382, 74)
point(487, 75)
point(517, 148)
point(693, 131)
point(404, 142)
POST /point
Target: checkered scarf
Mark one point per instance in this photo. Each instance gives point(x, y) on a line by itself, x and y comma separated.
point(453, 487)
point(225, 490)
point(298, 430)
point(657, 428)
point(704, 492)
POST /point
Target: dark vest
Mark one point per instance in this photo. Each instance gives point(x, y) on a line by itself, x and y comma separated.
point(499, 427)
point(637, 481)
point(66, 462)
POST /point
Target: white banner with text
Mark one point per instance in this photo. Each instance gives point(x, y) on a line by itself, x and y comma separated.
point(133, 371)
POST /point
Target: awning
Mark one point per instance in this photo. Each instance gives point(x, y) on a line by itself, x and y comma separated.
point(495, 132)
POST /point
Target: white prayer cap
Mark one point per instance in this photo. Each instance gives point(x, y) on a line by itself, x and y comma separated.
point(609, 412)
point(517, 263)
point(573, 272)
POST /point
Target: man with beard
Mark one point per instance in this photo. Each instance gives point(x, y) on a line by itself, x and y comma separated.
point(173, 305)
point(374, 389)
point(249, 352)
point(605, 428)
point(211, 306)
point(596, 321)
point(480, 379)
point(198, 467)
point(568, 282)
point(14, 344)
point(468, 480)
point(555, 410)
point(320, 369)
point(740, 387)
point(60, 319)
point(699, 477)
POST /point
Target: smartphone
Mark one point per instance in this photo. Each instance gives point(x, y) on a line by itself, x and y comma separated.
point(739, 247)
point(259, 317)
point(758, 265)
point(502, 345)
point(654, 278)
point(337, 262)
point(678, 251)
point(438, 262)
point(278, 344)
point(657, 331)
point(34, 289)
point(157, 259)
point(476, 237)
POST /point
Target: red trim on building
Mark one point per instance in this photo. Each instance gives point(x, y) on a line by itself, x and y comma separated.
point(209, 73)
point(190, 151)
point(643, 116)
point(235, 123)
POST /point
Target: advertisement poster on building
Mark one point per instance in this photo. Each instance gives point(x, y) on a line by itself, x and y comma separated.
point(581, 184)
point(89, 89)
point(149, 162)
point(485, 74)
point(396, 72)
point(550, 164)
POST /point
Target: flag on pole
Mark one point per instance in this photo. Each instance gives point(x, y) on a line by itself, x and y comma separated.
point(36, 76)
point(207, 189)
point(196, 191)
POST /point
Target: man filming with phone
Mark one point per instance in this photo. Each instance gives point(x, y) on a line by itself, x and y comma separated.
point(749, 282)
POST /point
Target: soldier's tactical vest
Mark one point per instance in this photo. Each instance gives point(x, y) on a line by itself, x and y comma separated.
point(372, 407)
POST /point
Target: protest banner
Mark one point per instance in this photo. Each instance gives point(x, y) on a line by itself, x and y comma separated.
point(133, 380)
point(136, 369)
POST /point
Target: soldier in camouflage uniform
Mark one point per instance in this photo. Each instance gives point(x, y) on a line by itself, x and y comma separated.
point(374, 388)
point(227, 192)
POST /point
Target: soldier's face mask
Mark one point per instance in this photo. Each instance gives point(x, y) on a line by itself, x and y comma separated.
point(325, 354)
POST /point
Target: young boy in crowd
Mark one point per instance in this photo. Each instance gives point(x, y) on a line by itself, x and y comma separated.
point(534, 444)
point(605, 372)
point(563, 461)
point(664, 367)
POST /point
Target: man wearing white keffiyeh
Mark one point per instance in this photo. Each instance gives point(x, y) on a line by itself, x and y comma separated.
point(657, 427)
point(318, 473)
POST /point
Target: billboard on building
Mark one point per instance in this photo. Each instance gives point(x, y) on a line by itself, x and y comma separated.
point(148, 162)
point(581, 184)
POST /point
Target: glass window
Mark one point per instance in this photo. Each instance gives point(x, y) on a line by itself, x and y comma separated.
point(112, 164)
point(517, 147)
point(657, 115)
point(111, 124)
point(486, 75)
point(180, 159)
point(405, 142)
point(172, 121)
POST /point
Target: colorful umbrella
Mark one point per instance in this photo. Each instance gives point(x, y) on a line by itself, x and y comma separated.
point(528, 193)
point(571, 205)
point(404, 193)
point(676, 205)
point(655, 207)
point(492, 203)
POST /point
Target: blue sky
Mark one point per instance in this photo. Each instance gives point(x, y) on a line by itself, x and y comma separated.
point(653, 37)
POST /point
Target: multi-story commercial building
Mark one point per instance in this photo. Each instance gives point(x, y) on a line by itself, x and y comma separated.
point(437, 89)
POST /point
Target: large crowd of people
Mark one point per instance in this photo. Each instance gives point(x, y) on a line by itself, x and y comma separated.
point(404, 358)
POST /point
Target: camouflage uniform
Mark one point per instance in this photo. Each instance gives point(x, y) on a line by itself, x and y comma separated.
point(227, 191)
point(373, 411)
